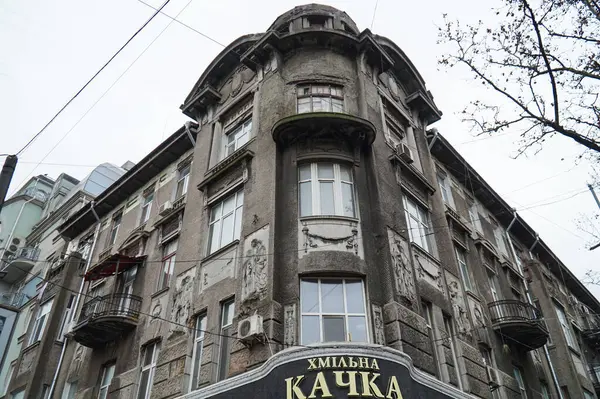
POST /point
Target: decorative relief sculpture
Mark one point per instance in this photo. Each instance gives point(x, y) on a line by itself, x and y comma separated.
point(458, 306)
point(378, 323)
point(403, 271)
point(254, 278)
point(289, 312)
point(181, 303)
point(314, 240)
point(234, 85)
point(427, 270)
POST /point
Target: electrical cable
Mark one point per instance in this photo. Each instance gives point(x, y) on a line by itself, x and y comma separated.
point(91, 79)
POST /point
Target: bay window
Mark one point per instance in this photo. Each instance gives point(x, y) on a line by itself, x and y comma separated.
point(418, 223)
point(320, 98)
point(225, 221)
point(326, 188)
point(333, 310)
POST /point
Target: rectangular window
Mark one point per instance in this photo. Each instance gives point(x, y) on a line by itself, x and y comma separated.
point(320, 98)
point(418, 223)
point(326, 189)
point(18, 395)
point(518, 373)
point(69, 391)
point(40, 322)
point(427, 313)
point(494, 290)
point(544, 390)
point(66, 318)
point(444, 189)
point(450, 331)
point(587, 395)
point(108, 371)
point(499, 236)
point(197, 351)
point(183, 178)
point(564, 324)
point(148, 368)
point(333, 310)
point(464, 271)
point(114, 228)
point(395, 132)
point(225, 221)
point(227, 312)
point(146, 207)
point(168, 264)
point(236, 137)
point(85, 246)
point(7, 378)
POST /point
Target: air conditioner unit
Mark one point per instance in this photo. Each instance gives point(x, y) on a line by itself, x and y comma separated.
point(405, 153)
point(250, 329)
point(165, 208)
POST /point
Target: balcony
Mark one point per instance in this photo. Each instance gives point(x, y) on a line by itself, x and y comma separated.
point(519, 322)
point(13, 299)
point(591, 330)
point(20, 264)
point(595, 374)
point(103, 319)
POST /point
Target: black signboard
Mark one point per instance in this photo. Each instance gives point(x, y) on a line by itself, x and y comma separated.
point(344, 371)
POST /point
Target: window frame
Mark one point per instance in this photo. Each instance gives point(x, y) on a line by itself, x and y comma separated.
point(311, 95)
point(321, 314)
point(337, 186)
point(197, 350)
point(518, 375)
point(423, 221)
point(37, 332)
point(394, 125)
point(68, 392)
point(461, 258)
point(565, 326)
point(167, 266)
point(150, 368)
point(236, 225)
point(146, 206)
point(225, 343)
point(115, 225)
point(183, 180)
point(104, 386)
point(449, 327)
point(237, 131)
point(66, 319)
point(8, 377)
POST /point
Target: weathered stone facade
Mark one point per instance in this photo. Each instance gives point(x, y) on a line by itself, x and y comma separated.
point(403, 219)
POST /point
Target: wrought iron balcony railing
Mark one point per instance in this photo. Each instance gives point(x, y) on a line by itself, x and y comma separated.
point(522, 322)
point(513, 310)
point(119, 305)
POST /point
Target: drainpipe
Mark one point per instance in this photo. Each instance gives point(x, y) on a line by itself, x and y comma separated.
point(189, 134)
point(436, 133)
point(529, 300)
point(76, 304)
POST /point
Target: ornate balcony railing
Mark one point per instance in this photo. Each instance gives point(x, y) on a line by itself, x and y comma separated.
point(120, 305)
point(520, 321)
point(14, 299)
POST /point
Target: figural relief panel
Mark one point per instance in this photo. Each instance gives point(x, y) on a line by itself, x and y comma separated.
point(329, 235)
point(290, 325)
point(255, 265)
point(427, 270)
point(218, 268)
point(459, 306)
point(238, 82)
point(402, 267)
point(181, 303)
point(378, 327)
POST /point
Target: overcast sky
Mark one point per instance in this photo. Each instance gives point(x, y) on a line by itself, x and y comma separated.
point(50, 48)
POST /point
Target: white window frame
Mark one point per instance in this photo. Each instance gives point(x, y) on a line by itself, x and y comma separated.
point(107, 369)
point(443, 189)
point(586, 395)
point(39, 327)
point(449, 327)
point(215, 226)
point(114, 227)
point(545, 392)
point(20, 394)
point(8, 377)
point(420, 223)
point(395, 129)
point(566, 328)
point(338, 193)
point(520, 381)
point(236, 137)
point(197, 351)
point(66, 319)
point(183, 180)
point(150, 368)
point(169, 250)
point(464, 269)
point(227, 307)
point(146, 210)
point(345, 314)
point(69, 390)
point(330, 94)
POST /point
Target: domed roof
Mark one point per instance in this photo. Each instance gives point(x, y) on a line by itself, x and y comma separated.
point(313, 9)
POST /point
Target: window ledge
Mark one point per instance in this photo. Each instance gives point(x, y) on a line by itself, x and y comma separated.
point(426, 254)
point(473, 295)
point(226, 164)
point(329, 217)
point(159, 292)
point(31, 347)
point(220, 251)
point(409, 167)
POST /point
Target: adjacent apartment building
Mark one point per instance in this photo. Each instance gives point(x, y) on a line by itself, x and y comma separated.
point(308, 236)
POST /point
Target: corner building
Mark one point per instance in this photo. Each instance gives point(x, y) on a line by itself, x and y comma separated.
point(309, 237)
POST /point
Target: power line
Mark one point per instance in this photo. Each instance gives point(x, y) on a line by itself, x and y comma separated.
point(103, 95)
point(91, 79)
